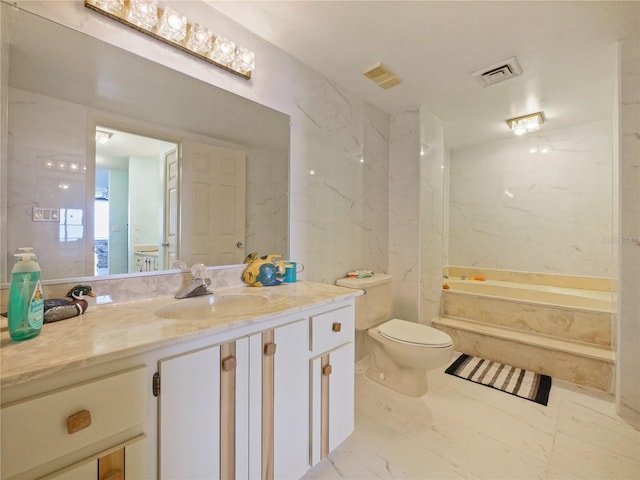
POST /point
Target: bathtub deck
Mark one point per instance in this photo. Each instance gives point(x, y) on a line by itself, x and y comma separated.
point(568, 343)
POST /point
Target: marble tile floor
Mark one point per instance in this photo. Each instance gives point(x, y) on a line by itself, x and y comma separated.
point(463, 430)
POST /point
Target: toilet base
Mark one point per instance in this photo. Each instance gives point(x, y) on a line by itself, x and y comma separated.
point(403, 379)
point(412, 384)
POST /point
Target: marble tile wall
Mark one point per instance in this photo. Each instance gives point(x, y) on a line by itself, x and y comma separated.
point(432, 197)
point(416, 214)
point(538, 212)
point(404, 208)
point(628, 353)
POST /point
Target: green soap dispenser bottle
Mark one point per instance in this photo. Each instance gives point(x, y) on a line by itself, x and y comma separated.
point(26, 297)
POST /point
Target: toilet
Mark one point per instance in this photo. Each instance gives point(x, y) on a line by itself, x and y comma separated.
point(401, 352)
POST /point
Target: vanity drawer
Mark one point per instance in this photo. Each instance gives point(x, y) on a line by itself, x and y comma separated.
point(42, 428)
point(330, 329)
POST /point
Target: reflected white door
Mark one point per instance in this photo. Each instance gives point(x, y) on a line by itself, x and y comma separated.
point(171, 211)
point(212, 204)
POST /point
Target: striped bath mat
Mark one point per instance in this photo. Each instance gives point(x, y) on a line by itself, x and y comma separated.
point(518, 382)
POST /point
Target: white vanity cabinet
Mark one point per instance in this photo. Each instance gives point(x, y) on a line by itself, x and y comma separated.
point(219, 406)
point(332, 381)
point(74, 425)
point(240, 400)
point(241, 409)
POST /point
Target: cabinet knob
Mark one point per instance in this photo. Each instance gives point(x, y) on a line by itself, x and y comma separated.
point(337, 326)
point(326, 370)
point(270, 349)
point(78, 421)
point(229, 364)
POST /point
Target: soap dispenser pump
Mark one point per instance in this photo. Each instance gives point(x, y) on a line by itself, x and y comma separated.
point(26, 297)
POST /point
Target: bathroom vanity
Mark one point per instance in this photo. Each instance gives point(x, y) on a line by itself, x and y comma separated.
point(242, 389)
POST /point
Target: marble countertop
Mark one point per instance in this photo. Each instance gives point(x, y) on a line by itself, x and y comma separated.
point(110, 332)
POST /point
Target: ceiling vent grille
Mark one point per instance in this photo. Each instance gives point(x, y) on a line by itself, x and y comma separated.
point(498, 72)
point(382, 76)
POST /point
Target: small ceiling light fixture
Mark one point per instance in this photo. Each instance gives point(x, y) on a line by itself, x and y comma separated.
point(103, 137)
point(172, 28)
point(526, 123)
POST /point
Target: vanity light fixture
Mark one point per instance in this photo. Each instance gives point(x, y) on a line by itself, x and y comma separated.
point(172, 28)
point(173, 25)
point(526, 123)
point(103, 137)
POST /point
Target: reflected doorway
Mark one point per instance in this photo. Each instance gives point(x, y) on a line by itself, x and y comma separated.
point(129, 228)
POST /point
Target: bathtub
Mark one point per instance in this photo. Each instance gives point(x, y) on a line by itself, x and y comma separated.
point(536, 294)
point(563, 332)
point(567, 313)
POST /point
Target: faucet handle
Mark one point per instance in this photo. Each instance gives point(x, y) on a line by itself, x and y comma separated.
point(198, 270)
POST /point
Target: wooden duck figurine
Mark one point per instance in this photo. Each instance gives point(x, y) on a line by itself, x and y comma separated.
point(72, 305)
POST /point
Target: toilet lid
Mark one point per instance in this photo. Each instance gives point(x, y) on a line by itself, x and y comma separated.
point(415, 333)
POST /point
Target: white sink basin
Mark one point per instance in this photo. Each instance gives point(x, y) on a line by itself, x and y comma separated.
point(208, 306)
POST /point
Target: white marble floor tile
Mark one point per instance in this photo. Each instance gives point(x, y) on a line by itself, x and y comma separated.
point(391, 409)
point(478, 452)
point(404, 459)
point(588, 461)
point(337, 465)
point(463, 430)
point(369, 437)
point(514, 421)
point(600, 430)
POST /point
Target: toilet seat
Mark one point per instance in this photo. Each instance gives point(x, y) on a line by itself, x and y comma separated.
point(413, 333)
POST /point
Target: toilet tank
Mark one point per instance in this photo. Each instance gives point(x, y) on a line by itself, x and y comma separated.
point(374, 307)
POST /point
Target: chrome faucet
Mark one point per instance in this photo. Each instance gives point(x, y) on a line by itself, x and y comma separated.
point(199, 285)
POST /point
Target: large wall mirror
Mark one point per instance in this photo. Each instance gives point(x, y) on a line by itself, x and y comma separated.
point(182, 171)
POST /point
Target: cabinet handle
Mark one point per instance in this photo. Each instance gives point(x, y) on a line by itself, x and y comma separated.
point(115, 475)
point(229, 364)
point(270, 349)
point(78, 421)
point(337, 326)
point(327, 370)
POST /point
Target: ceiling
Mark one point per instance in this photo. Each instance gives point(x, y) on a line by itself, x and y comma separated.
point(566, 50)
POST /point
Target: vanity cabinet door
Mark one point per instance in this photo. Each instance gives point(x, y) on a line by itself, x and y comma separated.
point(279, 410)
point(204, 413)
point(291, 400)
point(189, 415)
point(332, 400)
